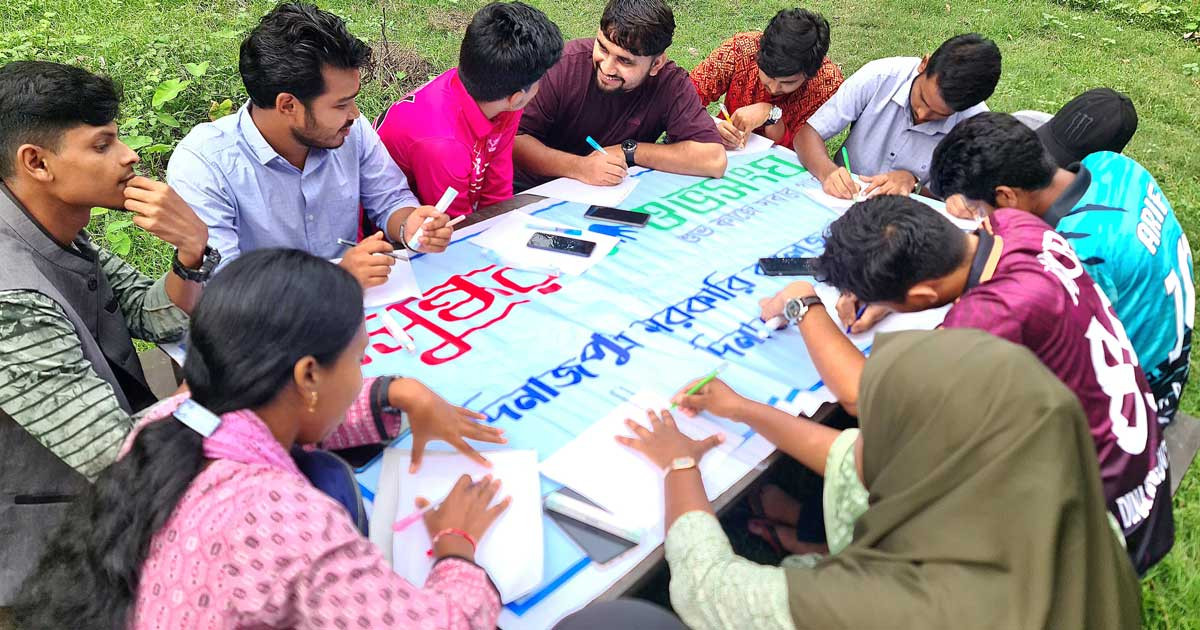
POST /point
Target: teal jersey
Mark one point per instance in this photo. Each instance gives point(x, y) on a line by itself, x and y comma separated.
point(1126, 235)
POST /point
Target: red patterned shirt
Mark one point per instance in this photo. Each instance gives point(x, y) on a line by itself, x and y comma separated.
point(732, 70)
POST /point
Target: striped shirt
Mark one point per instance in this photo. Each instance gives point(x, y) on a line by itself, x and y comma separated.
point(49, 387)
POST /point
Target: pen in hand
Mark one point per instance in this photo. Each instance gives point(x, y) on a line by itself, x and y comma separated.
point(342, 241)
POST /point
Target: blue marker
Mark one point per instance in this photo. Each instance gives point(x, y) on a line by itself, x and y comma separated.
point(862, 309)
point(542, 228)
point(596, 145)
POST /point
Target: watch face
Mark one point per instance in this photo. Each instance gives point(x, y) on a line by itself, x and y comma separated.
point(793, 309)
point(629, 145)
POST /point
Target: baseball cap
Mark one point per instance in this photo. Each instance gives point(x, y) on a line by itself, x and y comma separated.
point(1101, 119)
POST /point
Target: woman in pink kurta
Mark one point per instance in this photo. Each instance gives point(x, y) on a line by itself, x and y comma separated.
point(206, 521)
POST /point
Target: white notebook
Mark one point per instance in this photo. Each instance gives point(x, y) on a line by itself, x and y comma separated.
point(511, 550)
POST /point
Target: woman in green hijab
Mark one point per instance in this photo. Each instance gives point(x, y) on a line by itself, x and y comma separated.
point(985, 508)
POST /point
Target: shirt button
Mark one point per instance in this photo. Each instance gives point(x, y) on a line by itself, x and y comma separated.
point(92, 284)
point(310, 217)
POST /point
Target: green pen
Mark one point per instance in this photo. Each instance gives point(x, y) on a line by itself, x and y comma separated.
point(700, 385)
point(846, 160)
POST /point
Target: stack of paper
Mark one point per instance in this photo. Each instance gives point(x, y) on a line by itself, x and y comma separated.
point(620, 479)
point(510, 551)
point(568, 189)
point(401, 284)
point(509, 239)
point(754, 144)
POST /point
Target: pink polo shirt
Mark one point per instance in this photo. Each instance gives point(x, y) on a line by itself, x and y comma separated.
point(439, 138)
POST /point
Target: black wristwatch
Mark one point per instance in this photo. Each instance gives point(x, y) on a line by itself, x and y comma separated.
point(795, 309)
point(629, 146)
point(210, 261)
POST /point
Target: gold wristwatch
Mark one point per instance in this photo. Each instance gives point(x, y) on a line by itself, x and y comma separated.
point(680, 463)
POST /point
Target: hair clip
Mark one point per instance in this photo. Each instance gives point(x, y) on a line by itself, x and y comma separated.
point(197, 418)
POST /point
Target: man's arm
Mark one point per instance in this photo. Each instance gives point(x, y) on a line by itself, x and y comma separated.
point(705, 159)
point(596, 168)
point(839, 112)
point(149, 309)
point(813, 154)
point(50, 388)
point(836, 358)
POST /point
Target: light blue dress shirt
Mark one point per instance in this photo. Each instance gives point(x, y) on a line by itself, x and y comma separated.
point(251, 197)
point(883, 138)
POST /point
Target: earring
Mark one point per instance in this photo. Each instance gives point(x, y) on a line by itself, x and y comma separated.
point(312, 403)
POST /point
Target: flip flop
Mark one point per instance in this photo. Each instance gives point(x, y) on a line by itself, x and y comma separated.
point(772, 537)
point(755, 503)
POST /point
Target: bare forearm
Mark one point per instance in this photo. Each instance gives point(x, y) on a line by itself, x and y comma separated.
point(811, 151)
point(775, 132)
point(805, 441)
point(530, 154)
point(837, 360)
point(183, 293)
point(704, 159)
point(685, 493)
point(395, 222)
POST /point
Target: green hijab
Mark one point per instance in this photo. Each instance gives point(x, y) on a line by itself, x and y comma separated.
point(986, 509)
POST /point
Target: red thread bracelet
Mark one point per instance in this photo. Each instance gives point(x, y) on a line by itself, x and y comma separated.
point(451, 531)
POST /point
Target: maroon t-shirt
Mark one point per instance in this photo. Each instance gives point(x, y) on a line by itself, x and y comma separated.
point(569, 107)
point(1028, 286)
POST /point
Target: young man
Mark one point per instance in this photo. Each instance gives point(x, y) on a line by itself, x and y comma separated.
point(293, 165)
point(69, 375)
point(457, 131)
point(898, 109)
point(620, 89)
point(772, 81)
point(1113, 213)
point(1100, 119)
point(1018, 280)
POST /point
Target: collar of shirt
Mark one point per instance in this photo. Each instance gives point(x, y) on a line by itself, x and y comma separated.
point(478, 124)
point(902, 97)
point(263, 150)
point(1070, 197)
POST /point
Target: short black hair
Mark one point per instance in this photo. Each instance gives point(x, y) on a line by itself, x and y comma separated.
point(967, 68)
point(507, 47)
point(643, 27)
point(40, 100)
point(795, 41)
point(882, 247)
point(989, 150)
point(288, 48)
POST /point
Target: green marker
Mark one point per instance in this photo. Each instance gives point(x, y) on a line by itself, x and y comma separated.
point(700, 385)
point(846, 160)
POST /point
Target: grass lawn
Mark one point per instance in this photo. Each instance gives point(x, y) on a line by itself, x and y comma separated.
point(1050, 52)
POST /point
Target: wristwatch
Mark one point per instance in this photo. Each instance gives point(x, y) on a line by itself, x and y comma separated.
point(629, 146)
point(208, 263)
point(680, 463)
point(773, 117)
point(796, 308)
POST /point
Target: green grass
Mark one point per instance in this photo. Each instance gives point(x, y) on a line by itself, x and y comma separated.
point(1051, 53)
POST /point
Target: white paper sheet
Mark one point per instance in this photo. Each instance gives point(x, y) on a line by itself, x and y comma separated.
point(620, 479)
point(509, 239)
point(568, 189)
point(401, 284)
point(754, 144)
point(511, 550)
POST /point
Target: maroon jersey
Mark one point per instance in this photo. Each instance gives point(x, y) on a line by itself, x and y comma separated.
point(1028, 286)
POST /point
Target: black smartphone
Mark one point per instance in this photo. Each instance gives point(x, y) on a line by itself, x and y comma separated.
point(564, 244)
point(617, 215)
point(805, 266)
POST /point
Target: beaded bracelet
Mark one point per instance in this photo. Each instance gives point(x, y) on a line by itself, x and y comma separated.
point(450, 531)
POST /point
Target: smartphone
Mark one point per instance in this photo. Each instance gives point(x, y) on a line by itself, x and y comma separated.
point(564, 244)
point(617, 215)
point(805, 266)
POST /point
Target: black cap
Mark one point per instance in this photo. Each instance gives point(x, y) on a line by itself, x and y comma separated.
point(1097, 120)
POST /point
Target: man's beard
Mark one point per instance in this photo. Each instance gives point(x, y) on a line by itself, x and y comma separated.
point(308, 138)
point(606, 88)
